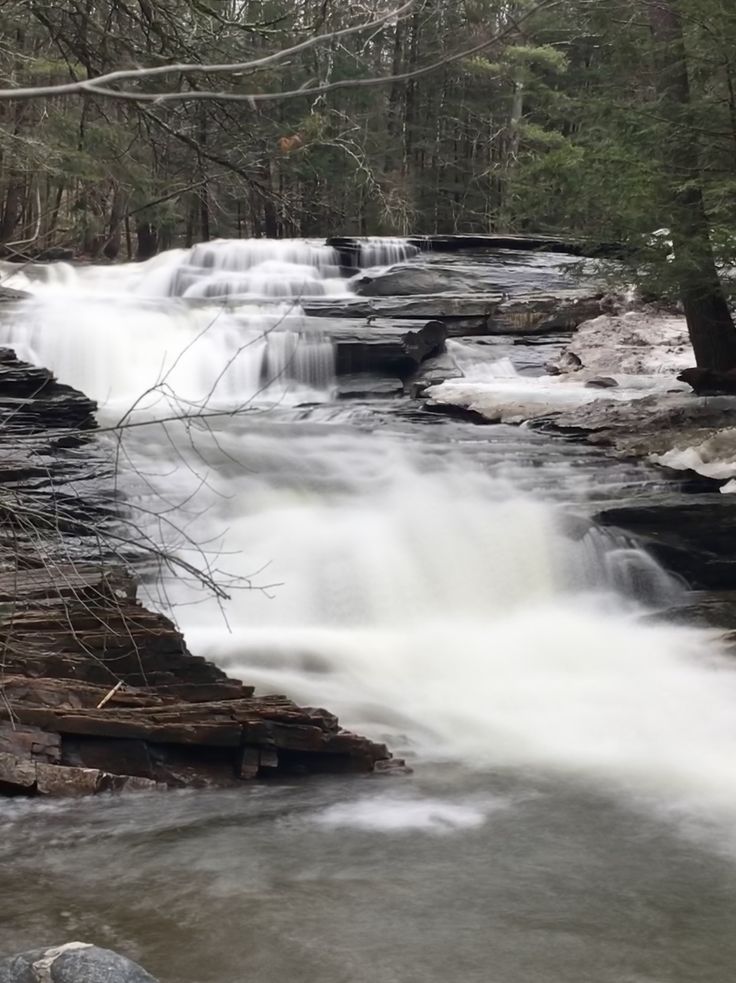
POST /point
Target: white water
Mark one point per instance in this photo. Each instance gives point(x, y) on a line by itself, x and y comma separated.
point(381, 251)
point(419, 595)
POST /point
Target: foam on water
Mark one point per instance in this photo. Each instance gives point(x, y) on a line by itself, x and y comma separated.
point(396, 813)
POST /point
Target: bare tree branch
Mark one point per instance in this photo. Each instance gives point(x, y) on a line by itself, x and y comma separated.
point(98, 85)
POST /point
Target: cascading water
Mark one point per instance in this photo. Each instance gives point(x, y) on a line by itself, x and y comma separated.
point(383, 251)
point(434, 584)
point(410, 588)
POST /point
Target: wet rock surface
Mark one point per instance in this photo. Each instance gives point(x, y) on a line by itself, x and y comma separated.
point(470, 313)
point(73, 962)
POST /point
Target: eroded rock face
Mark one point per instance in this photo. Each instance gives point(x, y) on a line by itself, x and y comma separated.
point(74, 962)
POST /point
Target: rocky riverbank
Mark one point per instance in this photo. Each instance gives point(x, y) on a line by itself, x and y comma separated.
point(98, 693)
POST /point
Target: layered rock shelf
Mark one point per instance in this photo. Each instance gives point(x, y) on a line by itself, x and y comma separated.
point(98, 693)
point(349, 246)
point(465, 314)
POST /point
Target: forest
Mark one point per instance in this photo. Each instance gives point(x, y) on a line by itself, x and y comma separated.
point(614, 120)
point(504, 115)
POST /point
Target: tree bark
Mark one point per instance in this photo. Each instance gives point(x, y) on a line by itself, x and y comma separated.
point(709, 320)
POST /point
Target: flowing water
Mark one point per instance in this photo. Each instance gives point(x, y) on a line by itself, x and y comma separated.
point(571, 813)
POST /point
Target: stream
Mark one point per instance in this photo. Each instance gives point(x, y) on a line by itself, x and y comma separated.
point(571, 811)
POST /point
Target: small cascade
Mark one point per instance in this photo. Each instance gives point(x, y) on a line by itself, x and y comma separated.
point(384, 251)
point(301, 356)
point(173, 350)
point(480, 363)
point(606, 560)
point(248, 270)
point(257, 268)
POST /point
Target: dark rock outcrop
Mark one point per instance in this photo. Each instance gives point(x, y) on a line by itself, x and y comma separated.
point(694, 538)
point(387, 349)
point(707, 382)
point(74, 962)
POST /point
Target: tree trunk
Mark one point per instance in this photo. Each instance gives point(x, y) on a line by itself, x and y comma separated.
point(147, 240)
point(709, 320)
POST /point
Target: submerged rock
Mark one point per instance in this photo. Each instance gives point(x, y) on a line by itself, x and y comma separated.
point(602, 382)
point(9, 295)
point(74, 962)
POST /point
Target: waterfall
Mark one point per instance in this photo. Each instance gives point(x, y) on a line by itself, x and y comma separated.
point(396, 575)
point(185, 354)
point(385, 251)
point(117, 331)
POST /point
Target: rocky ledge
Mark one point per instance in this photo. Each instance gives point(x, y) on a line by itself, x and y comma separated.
point(98, 693)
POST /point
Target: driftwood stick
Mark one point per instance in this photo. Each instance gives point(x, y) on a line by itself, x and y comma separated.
point(110, 695)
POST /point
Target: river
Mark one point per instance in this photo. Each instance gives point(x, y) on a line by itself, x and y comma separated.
point(571, 810)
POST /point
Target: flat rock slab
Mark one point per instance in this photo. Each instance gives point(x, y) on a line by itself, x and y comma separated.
point(74, 962)
point(464, 314)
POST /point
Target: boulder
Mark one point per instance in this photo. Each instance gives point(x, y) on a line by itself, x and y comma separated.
point(74, 962)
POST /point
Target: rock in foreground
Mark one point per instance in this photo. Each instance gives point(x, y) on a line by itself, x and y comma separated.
point(75, 962)
point(100, 694)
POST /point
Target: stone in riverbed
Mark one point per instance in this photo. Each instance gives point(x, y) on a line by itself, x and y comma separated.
point(601, 382)
point(74, 962)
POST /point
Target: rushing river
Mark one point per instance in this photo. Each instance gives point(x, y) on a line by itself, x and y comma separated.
point(572, 809)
